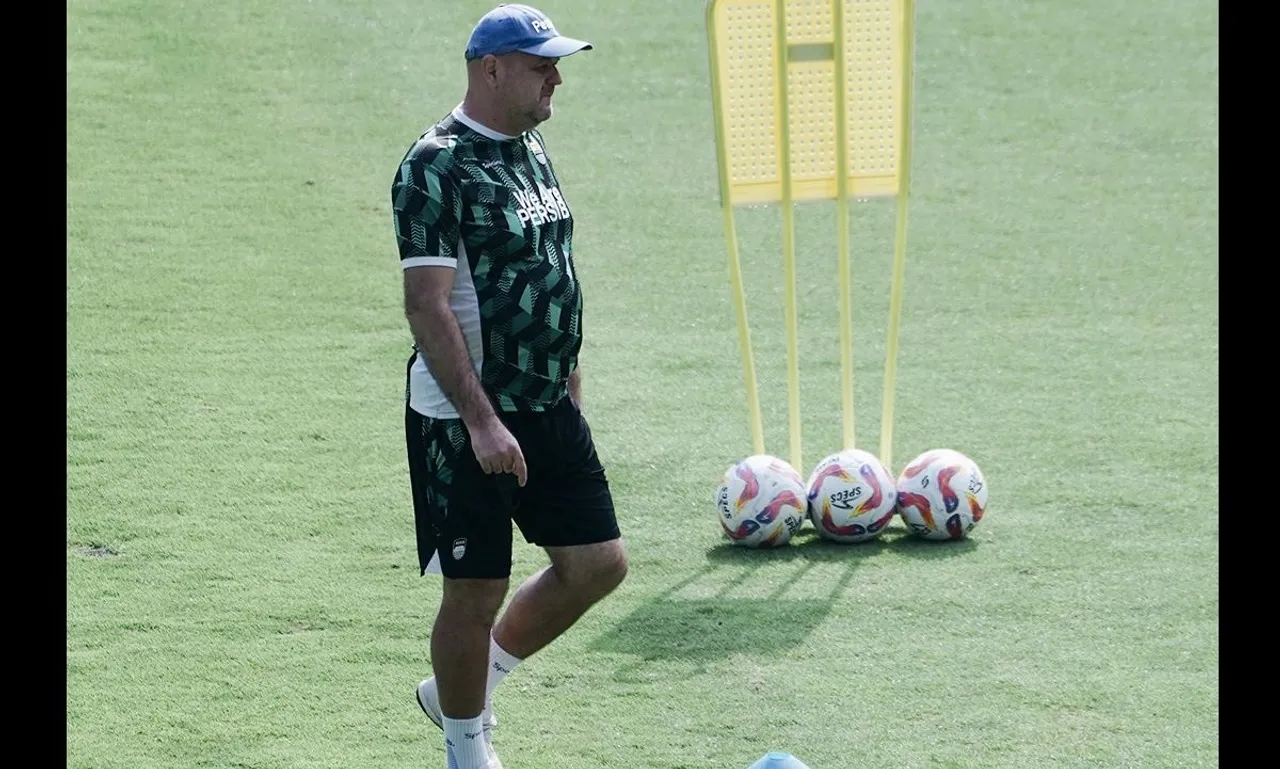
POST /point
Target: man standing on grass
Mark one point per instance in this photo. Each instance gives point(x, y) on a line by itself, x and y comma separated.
point(493, 420)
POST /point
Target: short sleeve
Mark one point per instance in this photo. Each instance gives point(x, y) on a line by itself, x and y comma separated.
point(427, 205)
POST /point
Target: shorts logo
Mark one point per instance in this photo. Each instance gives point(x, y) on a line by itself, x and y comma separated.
point(459, 548)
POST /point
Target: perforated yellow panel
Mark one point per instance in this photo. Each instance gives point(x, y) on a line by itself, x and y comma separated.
point(811, 104)
point(808, 21)
point(747, 101)
point(748, 52)
point(873, 61)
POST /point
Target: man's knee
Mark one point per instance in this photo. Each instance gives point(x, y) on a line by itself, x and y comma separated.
point(592, 571)
point(473, 601)
point(611, 569)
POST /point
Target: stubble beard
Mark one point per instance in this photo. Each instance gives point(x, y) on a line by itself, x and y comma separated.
point(541, 113)
point(532, 116)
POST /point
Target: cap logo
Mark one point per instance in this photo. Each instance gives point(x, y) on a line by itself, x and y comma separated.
point(542, 26)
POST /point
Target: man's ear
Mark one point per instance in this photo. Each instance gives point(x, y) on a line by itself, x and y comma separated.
point(489, 69)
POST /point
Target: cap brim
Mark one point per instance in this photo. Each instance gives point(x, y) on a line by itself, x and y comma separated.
point(557, 47)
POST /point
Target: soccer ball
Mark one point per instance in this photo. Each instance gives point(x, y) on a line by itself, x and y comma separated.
point(941, 495)
point(852, 496)
point(761, 502)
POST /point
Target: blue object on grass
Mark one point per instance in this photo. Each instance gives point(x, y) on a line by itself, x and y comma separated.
point(778, 759)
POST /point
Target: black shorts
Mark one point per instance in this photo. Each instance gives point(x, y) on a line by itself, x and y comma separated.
point(466, 514)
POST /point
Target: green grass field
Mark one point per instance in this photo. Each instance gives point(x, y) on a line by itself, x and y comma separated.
point(242, 588)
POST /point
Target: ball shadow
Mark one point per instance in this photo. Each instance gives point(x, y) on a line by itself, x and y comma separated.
point(805, 545)
point(900, 541)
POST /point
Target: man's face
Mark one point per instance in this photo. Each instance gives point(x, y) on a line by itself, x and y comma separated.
point(525, 85)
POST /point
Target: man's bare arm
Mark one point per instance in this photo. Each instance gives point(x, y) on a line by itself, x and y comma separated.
point(435, 329)
point(439, 337)
point(575, 387)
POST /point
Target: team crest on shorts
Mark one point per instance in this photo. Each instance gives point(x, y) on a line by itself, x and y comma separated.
point(459, 548)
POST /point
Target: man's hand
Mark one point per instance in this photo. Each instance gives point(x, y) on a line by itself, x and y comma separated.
point(497, 450)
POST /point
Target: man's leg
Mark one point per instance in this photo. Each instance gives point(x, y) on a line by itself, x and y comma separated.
point(460, 643)
point(568, 510)
point(464, 520)
point(550, 601)
point(460, 661)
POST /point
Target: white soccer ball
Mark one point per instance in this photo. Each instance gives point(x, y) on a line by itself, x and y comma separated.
point(852, 496)
point(761, 502)
point(941, 495)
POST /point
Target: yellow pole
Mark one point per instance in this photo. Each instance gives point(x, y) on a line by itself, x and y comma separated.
point(788, 236)
point(731, 238)
point(843, 268)
point(900, 231)
point(744, 334)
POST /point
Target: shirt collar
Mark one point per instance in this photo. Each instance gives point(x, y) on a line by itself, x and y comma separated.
point(478, 127)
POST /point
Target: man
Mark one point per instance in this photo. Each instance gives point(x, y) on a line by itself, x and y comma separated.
point(493, 421)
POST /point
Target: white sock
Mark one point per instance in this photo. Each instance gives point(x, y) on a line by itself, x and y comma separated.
point(464, 743)
point(500, 664)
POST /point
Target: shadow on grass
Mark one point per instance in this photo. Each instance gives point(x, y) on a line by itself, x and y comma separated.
point(705, 629)
point(807, 546)
point(670, 627)
point(901, 542)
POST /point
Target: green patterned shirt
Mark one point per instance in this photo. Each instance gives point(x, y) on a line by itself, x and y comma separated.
point(490, 206)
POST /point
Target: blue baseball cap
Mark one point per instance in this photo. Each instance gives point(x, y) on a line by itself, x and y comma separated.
point(515, 27)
